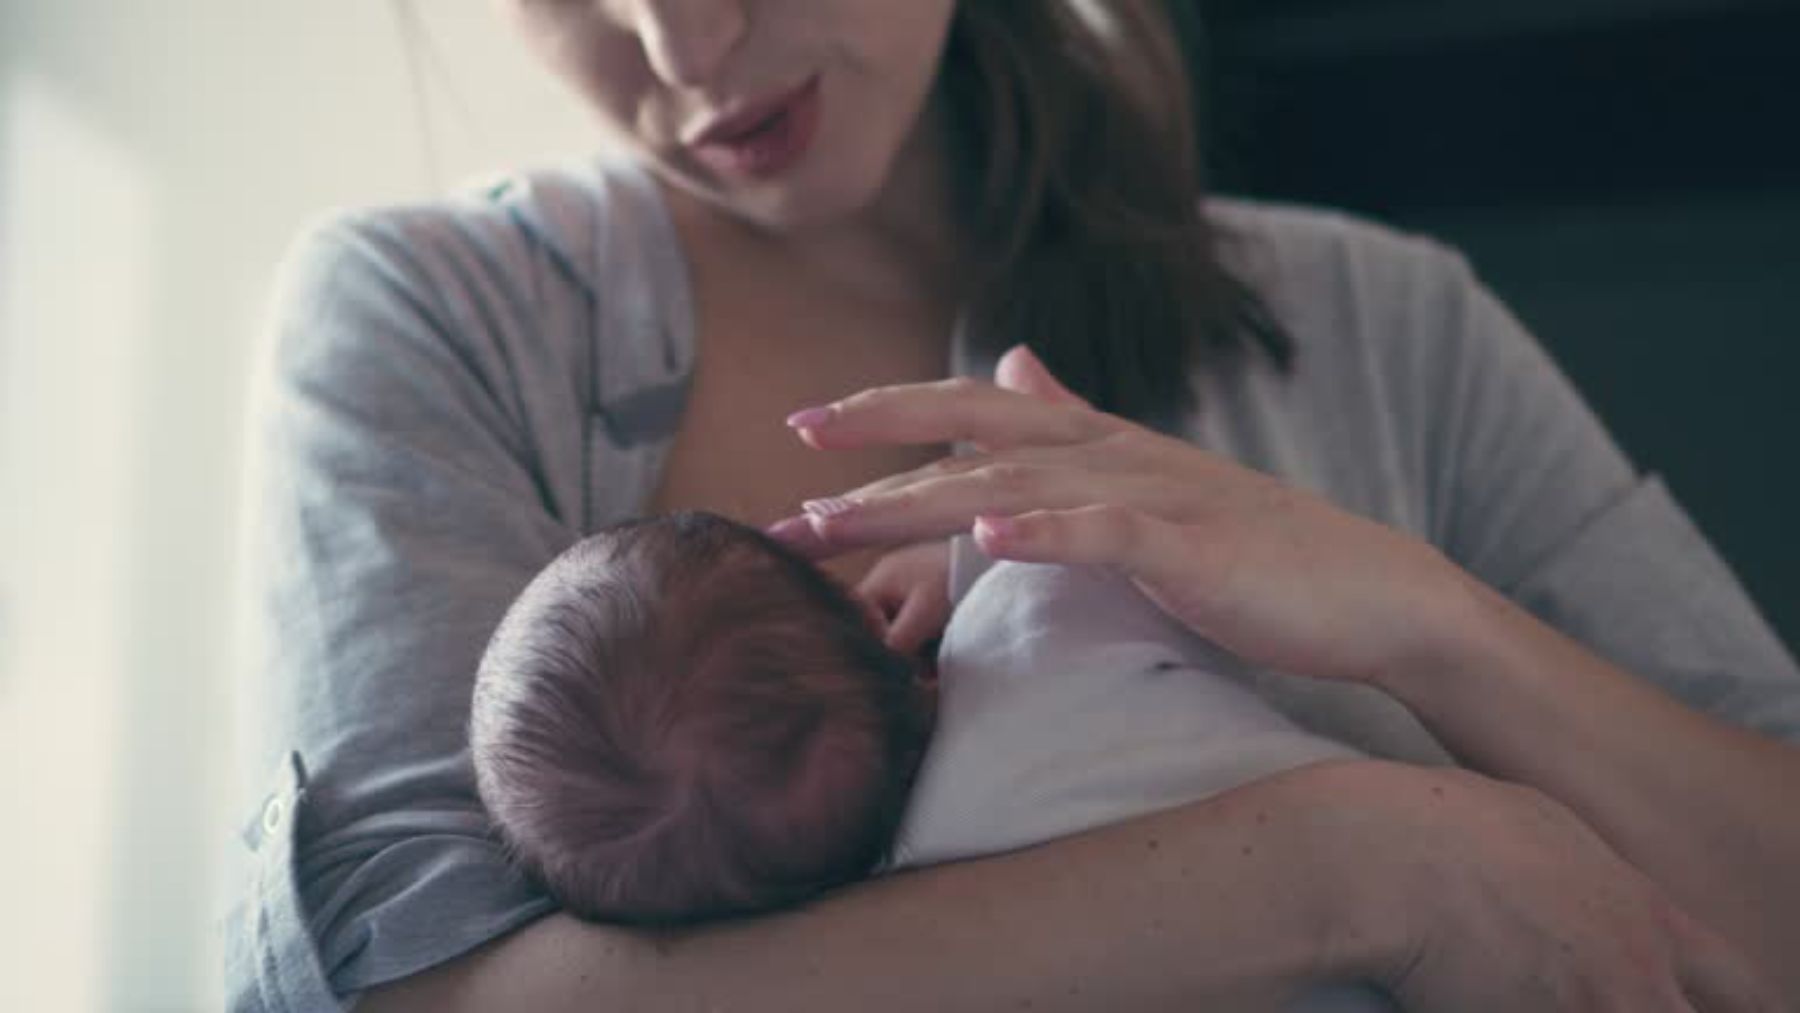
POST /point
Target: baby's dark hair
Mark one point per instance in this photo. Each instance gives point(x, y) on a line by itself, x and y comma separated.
point(680, 718)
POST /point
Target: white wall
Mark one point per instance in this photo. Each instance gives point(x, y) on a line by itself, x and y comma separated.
point(158, 154)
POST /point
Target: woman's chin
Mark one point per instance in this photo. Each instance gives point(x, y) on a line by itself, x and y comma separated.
point(807, 199)
point(792, 210)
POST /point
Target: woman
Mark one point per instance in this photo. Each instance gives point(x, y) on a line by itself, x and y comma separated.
point(829, 207)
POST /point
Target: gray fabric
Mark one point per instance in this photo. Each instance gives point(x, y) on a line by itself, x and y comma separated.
point(455, 391)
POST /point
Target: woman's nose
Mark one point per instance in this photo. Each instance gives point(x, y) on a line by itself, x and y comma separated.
point(686, 41)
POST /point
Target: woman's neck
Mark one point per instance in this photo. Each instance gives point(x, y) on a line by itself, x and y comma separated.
point(911, 232)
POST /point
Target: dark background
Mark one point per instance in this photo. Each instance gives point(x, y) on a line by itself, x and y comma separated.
point(1624, 173)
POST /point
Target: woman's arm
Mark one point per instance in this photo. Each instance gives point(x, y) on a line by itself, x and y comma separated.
point(1268, 571)
point(1595, 646)
point(1460, 893)
point(1225, 902)
point(1709, 810)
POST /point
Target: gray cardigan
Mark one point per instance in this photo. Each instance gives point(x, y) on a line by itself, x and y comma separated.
point(454, 391)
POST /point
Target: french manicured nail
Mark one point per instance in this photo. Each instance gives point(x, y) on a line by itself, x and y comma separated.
point(829, 507)
point(998, 527)
point(810, 417)
point(789, 527)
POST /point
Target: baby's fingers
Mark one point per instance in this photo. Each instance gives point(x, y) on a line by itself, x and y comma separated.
point(1715, 975)
point(921, 619)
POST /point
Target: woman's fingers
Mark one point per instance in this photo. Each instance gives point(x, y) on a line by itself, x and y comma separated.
point(1519, 904)
point(1167, 561)
point(1103, 534)
point(948, 504)
point(797, 534)
point(1021, 370)
point(943, 467)
point(1099, 457)
point(1714, 974)
point(950, 411)
point(944, 497)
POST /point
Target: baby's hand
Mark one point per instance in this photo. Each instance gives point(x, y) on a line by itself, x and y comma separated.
point(909, 589)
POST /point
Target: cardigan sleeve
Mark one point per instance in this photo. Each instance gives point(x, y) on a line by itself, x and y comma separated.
point(1533, 496)
point(401, 495)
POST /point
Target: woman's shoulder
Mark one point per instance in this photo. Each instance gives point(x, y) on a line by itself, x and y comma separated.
point(561, 271)
point(568, 222)
point(1301, 254)
point(1355, 294)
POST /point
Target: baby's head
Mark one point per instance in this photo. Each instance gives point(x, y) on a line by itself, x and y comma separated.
point(680, 718)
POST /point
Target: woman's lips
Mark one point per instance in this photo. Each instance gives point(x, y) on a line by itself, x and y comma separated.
point(763, 142)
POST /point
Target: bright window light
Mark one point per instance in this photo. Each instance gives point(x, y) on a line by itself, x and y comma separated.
point(73, 256)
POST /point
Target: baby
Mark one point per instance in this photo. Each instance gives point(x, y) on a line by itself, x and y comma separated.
point(682, 719)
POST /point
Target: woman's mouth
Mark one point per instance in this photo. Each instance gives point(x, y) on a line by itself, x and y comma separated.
point(763, 140)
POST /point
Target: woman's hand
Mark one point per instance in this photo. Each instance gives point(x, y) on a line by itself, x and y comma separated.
point(1272, 573)
point(1285, 580)
point(1459, 893)
point(1507, 901)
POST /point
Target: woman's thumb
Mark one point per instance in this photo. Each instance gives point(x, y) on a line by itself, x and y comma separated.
point(1020, 370)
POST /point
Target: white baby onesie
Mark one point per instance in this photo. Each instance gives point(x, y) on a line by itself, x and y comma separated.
point(1069, 700)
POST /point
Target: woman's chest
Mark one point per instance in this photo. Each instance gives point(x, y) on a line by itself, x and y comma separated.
point(756, 362)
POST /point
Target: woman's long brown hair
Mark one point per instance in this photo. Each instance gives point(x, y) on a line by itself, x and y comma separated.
point(1083, 174)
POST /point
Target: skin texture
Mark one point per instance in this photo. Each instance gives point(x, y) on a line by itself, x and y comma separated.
point(1457, 891)
point(927, 940)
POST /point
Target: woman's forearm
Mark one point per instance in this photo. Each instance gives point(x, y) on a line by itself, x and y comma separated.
point(1234, 902)
point(1708, 810)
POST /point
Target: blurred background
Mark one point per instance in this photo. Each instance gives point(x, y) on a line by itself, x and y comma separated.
point(1625, 172)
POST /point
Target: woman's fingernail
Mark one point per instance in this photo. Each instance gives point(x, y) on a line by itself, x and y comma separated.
point(998, 527)
point(788, 527)
point(830, 507)
point(810, 417)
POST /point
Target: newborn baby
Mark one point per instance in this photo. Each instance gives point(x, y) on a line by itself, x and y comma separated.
point(682, 719)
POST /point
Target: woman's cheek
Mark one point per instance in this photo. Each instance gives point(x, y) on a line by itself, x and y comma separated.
point(603, 63)
point(608, 67)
